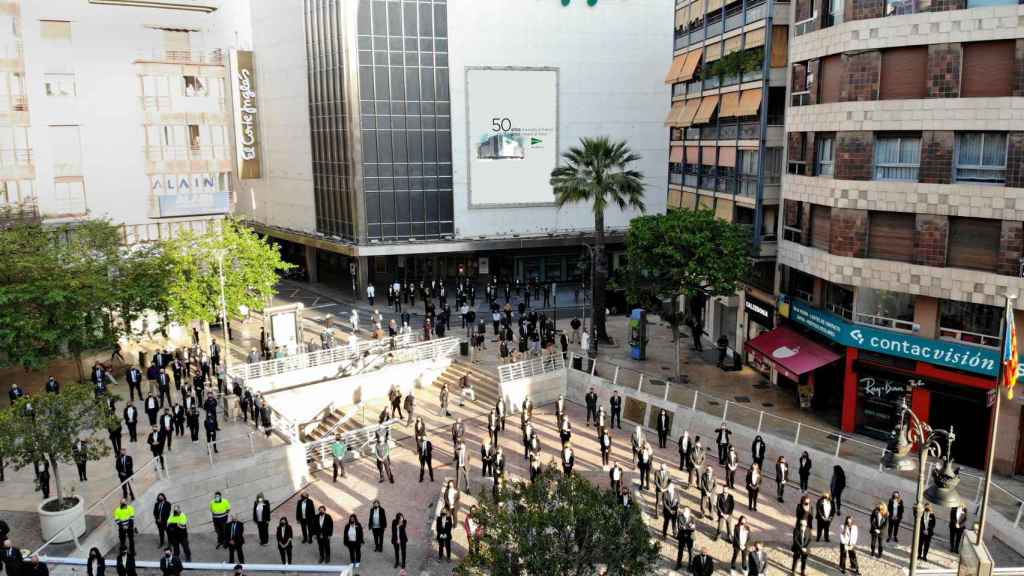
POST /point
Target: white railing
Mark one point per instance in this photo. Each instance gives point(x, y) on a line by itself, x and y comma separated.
point(885, 322)
point(839, 444)
point(356, 440)
point(970, 337)
point(428, 350)
point(339, 353)
point(543, 364)
point(335, 569)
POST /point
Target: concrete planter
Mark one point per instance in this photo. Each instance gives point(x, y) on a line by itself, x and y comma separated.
point(50, 523)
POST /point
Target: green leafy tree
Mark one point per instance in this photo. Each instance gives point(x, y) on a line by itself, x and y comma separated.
point(684, 252)
point(562, 526)
point(250, 264)
point(140, 281)
point(56, 290)
point(598, 171)
point(48, 432)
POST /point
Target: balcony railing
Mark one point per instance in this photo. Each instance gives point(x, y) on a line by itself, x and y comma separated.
point(197, 56)
point(13, 104)
point(804, 26)
point(15, 156)
point(692, 133)
point(969, 337)
point(733, 18)
point(840, 310)
point(800, 98)
point(885, 322)
point(202, 152)
point(749, 131)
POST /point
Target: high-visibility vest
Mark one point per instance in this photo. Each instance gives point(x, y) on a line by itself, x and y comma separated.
point(179, 519)
point(124, 515)
point(220, 509)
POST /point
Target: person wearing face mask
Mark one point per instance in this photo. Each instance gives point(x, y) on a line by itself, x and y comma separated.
point(261, 516)
point(801, 547)
point(235, 531)
point(847, 546)
point(177, 533)
point(125, 563)
point(96, 565)
point(669, 509)
point(378, 522)
point(757, 561)
point(740, 538)
point(305, 511)
point(444, 536)
point(124, 517)
point(284, 541)
point(219, 509)
point(685, 528)
point(702, 564)
point(170, 565)
point(323, 528)
point(161, 513)
point(353, 538)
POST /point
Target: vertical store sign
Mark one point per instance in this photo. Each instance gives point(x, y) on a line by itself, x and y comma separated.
point(247, 140)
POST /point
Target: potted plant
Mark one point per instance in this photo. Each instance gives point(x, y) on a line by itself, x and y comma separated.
point(44, 429)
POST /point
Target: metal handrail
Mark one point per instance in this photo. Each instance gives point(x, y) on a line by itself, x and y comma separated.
point(841, 439)
point(318, 450)
point(336, 569)
point(156, 468)
point(331, 355)
point(544, 364)
point(251, 437)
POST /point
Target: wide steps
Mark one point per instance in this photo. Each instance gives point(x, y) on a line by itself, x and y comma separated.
point(485, 384)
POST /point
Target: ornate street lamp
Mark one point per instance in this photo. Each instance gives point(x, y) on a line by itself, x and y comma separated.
point(945, 478)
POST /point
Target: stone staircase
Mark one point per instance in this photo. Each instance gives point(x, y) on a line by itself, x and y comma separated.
point(484, 383)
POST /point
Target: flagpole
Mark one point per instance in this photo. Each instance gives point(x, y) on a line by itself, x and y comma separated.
point(993, 435)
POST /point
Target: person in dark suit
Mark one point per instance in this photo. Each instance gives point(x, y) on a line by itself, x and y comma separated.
point(781, 477)
point(801, 547)
point(80, 454)
point(95, 564)
point(131, 420)
point(591, 401)
point(803, 469)
point(323, 528)
point(896, 509)
point(836, 487)
point(152, 408)
point(125, 563)
point(702, 564)
point(753, 485)
point(261, 516)
point(170, 565)
point(824, 512)
point(757, 561)
point(662, 426)
point(616, 409)
point(284, 541)
point(927, 532)
point(606, 446)
point(305, 511)
point(378, 522)
point(161, 513)
point(444, 536)
point(353, 539)
point(399, 539)
point(957, 525)
point(155, 441)
point(125, 469)
point(426, 453)
point(685, 527)
point(235, 535)
point(757, 450)
point(879, 518)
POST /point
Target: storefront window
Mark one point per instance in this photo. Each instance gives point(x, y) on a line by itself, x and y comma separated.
point(894, 310)
point(839, 300)
point(799, 285)
point(969, 322)
point(879, 397)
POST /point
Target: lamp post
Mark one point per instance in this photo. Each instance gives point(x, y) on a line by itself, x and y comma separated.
point(592, 351)
point(910, 430)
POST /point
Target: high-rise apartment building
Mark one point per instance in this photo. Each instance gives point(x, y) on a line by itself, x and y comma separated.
point(903, 207)
point(119, 109)
point(414, 139)
point(728, 79)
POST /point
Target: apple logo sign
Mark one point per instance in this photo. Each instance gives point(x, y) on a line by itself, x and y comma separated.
point(785, 352)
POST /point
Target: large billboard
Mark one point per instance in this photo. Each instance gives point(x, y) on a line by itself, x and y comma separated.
point(512, 116)
point(247, 135)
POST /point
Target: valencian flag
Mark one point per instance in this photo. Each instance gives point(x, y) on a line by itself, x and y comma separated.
point(1010, 363)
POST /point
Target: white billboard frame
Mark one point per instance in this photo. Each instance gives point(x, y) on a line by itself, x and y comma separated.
point(469, 135)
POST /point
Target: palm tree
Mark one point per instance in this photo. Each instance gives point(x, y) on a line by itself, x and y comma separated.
point(598, 171)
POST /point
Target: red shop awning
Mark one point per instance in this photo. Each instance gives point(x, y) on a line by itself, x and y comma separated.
point(791, 353)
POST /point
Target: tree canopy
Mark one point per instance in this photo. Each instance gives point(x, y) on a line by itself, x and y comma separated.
point(685, 252)
point(250, 263)
point(48, 431)
point(559, 525)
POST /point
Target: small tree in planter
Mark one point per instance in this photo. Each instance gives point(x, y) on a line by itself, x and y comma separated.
point(49, 431)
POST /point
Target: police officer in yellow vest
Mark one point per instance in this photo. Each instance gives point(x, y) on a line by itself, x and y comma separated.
point(219, 508)
point(177, 533)
point(124, 517)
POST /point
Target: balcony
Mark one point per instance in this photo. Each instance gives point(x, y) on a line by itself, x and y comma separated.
point(969, 337)
point(13, 103)
point(884, 322)
point(15, 156)
point(212, 57)
point(201, 152)
point(24, 210)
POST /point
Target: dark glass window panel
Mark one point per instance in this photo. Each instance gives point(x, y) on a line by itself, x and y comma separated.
point(427, 108)
point(369, 146)
point(441, 60)
point(429, 147)
point(446, 206)
point(415, 144)
point(412, 85)
point(365, 43)
point(442, 83)
point(409, 10)
point(444, 146)
point(443, 122)
point(380, 17)
point(365, 57)
point(371, 183)
point(444, 169)
point(366, 82)
point(363, 18)
point(366, 106)
point(444, 183)
point(395, 44)
point(395, 19)
point(430, 169)
point(369, 122)
point(397, 84)
point(373, 230)
point(398, 123)
point(369, 170)
point(396, 59)
point(385, 170)
point(417, 229)
point(384, 147)
point(412, 123)
point(447, 228)
point(427, 59)
point(387, 184)
point(387, 207)
point(427, 122)
point(380, 43)
point(373, 207)
point(380, 59)
point(426, 45)
point(444, 108)
point(401, 170)
point(411, 44)
point(441, 21)
point(411, 59)
point(441, 45)
point(398, 141)
point(383, 122)
point(381, 89)
point(401, 183)
point(426, 21)
point(404, 229)
point(398, 108)
point(432, 209)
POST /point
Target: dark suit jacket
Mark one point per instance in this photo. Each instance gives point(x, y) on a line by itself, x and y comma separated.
point(126, 565)
point(398, 534)
point(305, 510)
point(101, 567)
point(284, 535)
point(170, 565)
point(702, 565)
point(327, 530)
point(800, 542)
point(124, 465)
point(444, 528)
point(236, 532)
point(161, 512)
point(383, 518)
point(359, 535)
point(265, 517)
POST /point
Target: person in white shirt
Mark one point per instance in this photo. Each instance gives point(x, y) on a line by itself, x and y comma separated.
point(371, 293)
point(585, 341)
point(847, 546)
point(354, 320)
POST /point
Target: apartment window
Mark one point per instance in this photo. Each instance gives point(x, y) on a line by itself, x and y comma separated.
point(799, 284)
point(988, 69)
point(16, 191)
point(195, 86)
point(14, 148)
point(12, 92)
point(974, 243)
point(904, 73)
point(821, 226)
point(897, 157)
point(825, 158)
point(883, 308)
point(66, 145)
point(969, 322)
point(830, 78)
point(69, 195)
point(55, 31)
point(899, 7)
point(156, 92)
point(60, 85)
point(891, 236)
point(981, 157)
point(839, 299)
